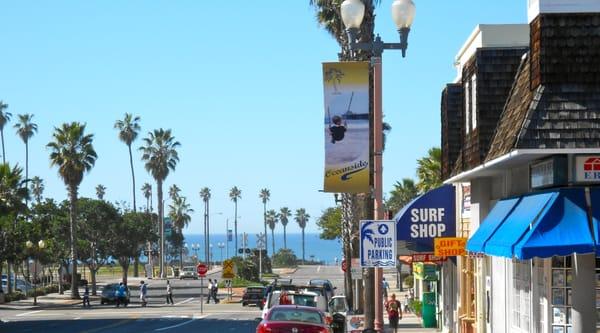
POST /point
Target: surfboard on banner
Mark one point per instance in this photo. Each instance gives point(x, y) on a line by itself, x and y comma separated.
point(346, 94)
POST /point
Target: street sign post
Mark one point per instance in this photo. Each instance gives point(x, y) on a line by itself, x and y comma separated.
point(344, 267)
point(202, 269)
point(355, 269)
point(260, 245)
point(378, 243)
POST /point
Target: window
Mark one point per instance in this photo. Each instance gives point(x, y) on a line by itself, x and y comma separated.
point(521, 296)
point(467, 107)
point(474, 102)
point(561, 294)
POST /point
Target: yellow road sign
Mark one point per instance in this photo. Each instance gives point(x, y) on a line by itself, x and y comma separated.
point(228, 269)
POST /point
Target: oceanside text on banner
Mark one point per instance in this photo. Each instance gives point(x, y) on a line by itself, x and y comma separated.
point(346, 92)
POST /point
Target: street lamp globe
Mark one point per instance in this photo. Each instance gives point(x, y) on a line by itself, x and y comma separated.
point(41, 244)
point(353, 12)
point(403, 13)
point(29, 244)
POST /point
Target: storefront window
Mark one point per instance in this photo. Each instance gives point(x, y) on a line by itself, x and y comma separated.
point(561, 295)
point(521, 294)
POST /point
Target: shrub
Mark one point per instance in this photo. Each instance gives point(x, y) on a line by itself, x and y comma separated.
point(14, 296)
point(416, 305)
point(284, 258)
point(409, 281)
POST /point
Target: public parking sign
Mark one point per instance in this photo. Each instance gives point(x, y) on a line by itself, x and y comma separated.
point(201, 269)
point(378, 243)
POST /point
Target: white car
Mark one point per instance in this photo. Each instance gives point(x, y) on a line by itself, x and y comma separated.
point(301, 298)
point(188, 272)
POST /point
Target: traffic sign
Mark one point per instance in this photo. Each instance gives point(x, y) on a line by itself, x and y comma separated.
point(202, 269)
point(355, 269)
point(344, 267)
point(378, 243)
point(228, 269)
point(227, 283)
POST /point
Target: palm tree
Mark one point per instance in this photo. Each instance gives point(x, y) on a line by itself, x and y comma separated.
point(265, 195)
point(4, 118)
point(26, 129)
point(302, 219)
point(37, 188)
point(73, 153)
point(205, 195)
point(180, 215)
point(429, 170)
point(100, 191)
point(174, 191)
point(160, 155)
point(272, 221)
point(402, 194)
point(235, 194)
point(284, 214)
point(129, 128)
point(147, 191)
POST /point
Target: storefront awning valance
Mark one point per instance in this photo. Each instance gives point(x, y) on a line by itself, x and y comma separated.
point(562, 230)
point(497, 215)
point(538, 225)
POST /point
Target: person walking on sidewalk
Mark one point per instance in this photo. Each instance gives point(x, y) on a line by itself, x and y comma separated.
point(215, 291)
point(169, 293)
point(385, 286)
point(86, 296)
point(209, 290)
point(121, 294)
point(143, 293)
point(394, 311)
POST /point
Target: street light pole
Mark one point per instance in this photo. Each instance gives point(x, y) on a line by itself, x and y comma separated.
point(352, 12)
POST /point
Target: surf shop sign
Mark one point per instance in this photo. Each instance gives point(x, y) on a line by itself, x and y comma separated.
point(346, 127)
point(429, 216)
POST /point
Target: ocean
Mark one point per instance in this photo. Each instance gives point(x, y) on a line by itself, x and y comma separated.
point(322, 250)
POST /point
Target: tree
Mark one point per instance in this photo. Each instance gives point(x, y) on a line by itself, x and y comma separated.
point(174, 191)
point(272, 222)
point(429, 170)
point(128, 236)
point(129, 129)
point(285, 258)
point(100, 191)
point(330, 223)
point(4, 119)
point(147, 191)
point(284, 214)
point(180, 216)
point(265, 195)
point(160, 155)
point(26, 129)
point(73, 153)
point(403, 193)
point(205, 195)
point(235, 194)
point(302, 219)
point(98, 218)
point(37, 188)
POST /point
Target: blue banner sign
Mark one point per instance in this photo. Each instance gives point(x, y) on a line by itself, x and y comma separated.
point(427, 217)
point(378, 244)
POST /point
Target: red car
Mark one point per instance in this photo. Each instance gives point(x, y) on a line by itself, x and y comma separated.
point(294, 319)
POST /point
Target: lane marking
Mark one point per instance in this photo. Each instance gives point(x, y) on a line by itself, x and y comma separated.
point(318, 269)
point(185, 301)
point(113, 325)
point(28, 313)
point(174, 326)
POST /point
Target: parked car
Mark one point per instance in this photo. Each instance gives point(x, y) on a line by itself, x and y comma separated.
point(189, 272)
point(338, 308)
point(293, 318)
point(21, 285)
point(326, 284)
point(108, 294)
point(253, 295)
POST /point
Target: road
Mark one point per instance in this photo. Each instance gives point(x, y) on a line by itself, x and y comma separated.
point(157, 317)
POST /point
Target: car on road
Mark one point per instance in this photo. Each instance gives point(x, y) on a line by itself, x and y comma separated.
point(326, 284)
point(108, 294)
point(294, 318)
point(300, 298)
point(253, 295)
point(189, 272)
point(21, 285)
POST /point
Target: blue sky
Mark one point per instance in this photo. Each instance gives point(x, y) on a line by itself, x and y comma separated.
point(238, 82)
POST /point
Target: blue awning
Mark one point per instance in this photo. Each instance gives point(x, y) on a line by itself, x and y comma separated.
point(561, 230)
point(514, 227)
point(494, 219)
point(595, 196)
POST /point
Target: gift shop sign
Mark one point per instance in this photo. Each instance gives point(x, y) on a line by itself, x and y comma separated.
point(587, 169)
point(450, 246)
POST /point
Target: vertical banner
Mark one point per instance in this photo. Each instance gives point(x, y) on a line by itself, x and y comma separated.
point(346, 90)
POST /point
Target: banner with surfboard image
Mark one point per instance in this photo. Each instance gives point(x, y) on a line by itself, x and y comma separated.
point(346, 91)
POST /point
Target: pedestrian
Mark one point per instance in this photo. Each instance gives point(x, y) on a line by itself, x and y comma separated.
point(394, 311)
point(214, 291)
point(209, 291)
point(385, 286)
point(169, 294)
point(143, 293)
point(86, 296)
point(121, 294)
